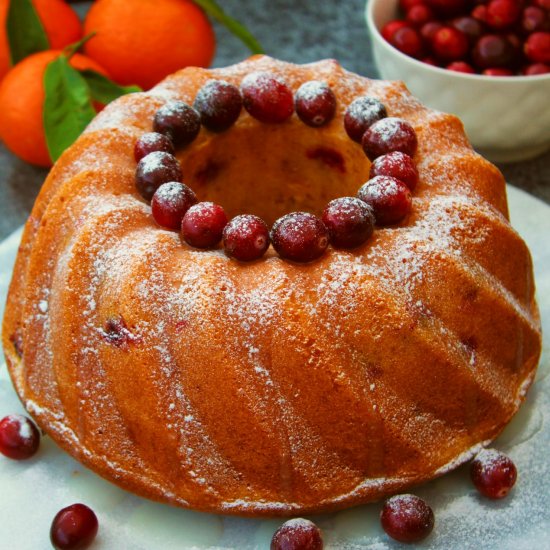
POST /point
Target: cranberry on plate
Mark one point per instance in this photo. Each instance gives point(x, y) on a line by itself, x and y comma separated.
point(19, 437)
point(297, 534)
point(74, 527)
point(493, 473)
point(407, 518)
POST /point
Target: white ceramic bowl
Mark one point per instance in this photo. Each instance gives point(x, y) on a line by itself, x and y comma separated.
point(506, 118)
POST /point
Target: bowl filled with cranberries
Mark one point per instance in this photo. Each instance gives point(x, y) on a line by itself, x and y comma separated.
point(486, 61)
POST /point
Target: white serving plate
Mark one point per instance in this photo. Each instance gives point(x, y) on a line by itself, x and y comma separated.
point(31, 492)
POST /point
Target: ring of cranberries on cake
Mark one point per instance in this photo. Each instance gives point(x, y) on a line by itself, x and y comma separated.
point(271, 388)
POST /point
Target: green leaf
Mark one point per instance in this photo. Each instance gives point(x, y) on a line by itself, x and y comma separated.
point(238, 29)
point(67, 106)
point(104, 90)
point(26, 34)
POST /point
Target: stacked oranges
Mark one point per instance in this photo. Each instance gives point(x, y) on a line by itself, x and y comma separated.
point(138, 42)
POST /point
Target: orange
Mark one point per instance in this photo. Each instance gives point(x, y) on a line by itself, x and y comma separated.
point(142, 41)
point(60, 22)
point(22, 102)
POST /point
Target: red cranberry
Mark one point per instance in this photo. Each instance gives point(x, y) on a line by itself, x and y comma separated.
point(419, 14)
point(155, 169)
point(117, 333)
point(297, 534)
point(398, 165)
point(407, 518)
point(179, 121)
point(202, 225)
point(470, 26)
point(315, 103)
point(544, 4)
point(267, 97)
point(299, 236)
point(389, 198)
point(502, 14)
point(536, 69)
point(19, 437)
point(408, 41)
point(219, 104)
point(537, 47)
point(449, 44)
point(73, 527)
point(493, 473)
point(361, 114)
point(151, 142)
point(534, 19)
point(406, 5)
point(349, 220)
point(460, 67)
point(480, 13)
point(387, 135)
point(430, 61)
point(448, 8)
point(429, 29)
point(497, 71)
point(170, 203)
point(492, 51)
point(389, 29)
point(246, 238)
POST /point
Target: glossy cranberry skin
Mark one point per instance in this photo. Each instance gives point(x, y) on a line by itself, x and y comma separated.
point(534, 19)
point(493, 473)
point(246, 238)
point(470, 26)
point(297, 534)
point(460, 67)
point(544, 4)
point(449, 44)
point(389, 29)
point(480, 13)
point(203, 224)
point(155, 169)
point(19, 437)
point(219, 105)
point(419, 14)
point(170, 203)
point(299, 236)
point(73, 527)
point(408, 41)
point(315, 103)
point(151, 142)
point(407, 518)
point(349, 220)
point(387, 135)
point(179, 121)
point(493, 51)
point(397, 165)
point(536, 69)
point(361, 114)
point(502, 14)
point(267, 97)
point(406, 5)
point(429, 29)
point(389, 198)
point(498, 71)
point(537, 47)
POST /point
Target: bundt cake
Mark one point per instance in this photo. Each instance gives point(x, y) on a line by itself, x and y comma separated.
point(289, 384)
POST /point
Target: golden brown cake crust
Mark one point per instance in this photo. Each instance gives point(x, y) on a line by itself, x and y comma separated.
point(271, 388)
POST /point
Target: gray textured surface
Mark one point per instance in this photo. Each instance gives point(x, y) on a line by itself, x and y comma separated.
point(298, 31)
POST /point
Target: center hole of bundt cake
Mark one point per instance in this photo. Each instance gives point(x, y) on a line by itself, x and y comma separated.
point(274, 170)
